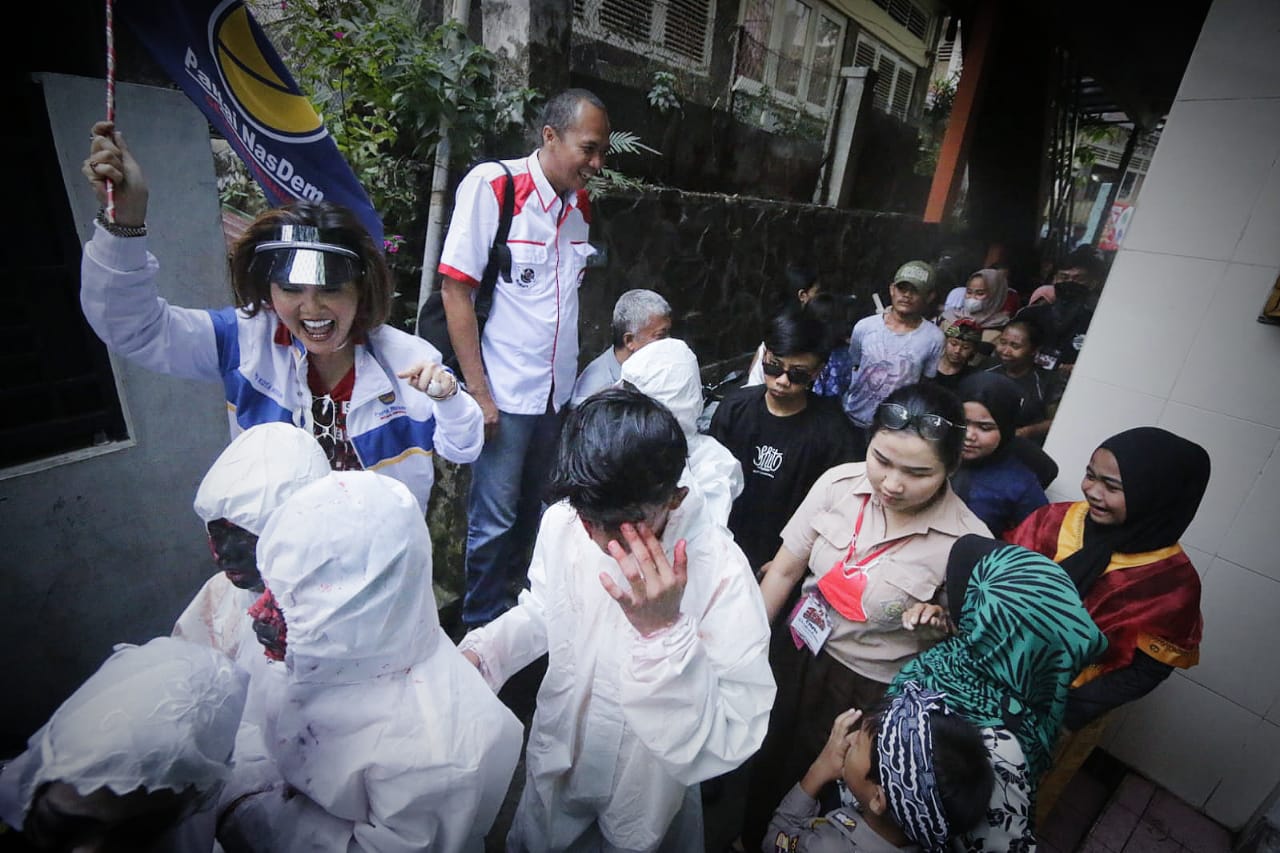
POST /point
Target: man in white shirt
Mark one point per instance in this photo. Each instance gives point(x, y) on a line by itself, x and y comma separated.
point(639, 317)
point(521, 370)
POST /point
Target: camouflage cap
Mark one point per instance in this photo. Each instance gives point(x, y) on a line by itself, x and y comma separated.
point(918, 274)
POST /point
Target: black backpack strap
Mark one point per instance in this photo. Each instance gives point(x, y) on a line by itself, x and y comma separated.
point(499, 252)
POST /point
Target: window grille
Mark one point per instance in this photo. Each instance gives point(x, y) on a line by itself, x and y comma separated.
point(58, 392)
point(678, 31)
point(908, 14)
point(895, 77)
point(791, 47)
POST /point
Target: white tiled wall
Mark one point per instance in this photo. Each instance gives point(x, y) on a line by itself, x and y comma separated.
point(1175, 343)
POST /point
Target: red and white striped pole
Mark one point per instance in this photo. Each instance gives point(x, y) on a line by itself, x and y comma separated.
point(111, 101)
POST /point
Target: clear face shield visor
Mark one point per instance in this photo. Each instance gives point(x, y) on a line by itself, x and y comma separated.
point(299, 256)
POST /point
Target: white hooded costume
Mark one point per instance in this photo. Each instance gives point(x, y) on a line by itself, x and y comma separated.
point(627, 726)
point(161, 716)
point(667, 371)
point(256, 472)
point(383, 738)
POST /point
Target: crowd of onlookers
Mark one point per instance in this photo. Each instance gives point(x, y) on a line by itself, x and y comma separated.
point(839, 594)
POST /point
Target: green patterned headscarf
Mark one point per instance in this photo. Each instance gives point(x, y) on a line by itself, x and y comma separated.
point(1022, 636)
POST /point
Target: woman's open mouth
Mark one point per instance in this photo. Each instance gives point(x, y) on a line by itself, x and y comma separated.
point(319, 330)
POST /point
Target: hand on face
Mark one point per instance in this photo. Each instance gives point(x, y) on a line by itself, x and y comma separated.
point(652, 603)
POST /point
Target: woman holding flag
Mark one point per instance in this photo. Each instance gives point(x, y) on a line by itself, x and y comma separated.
point(306, 341)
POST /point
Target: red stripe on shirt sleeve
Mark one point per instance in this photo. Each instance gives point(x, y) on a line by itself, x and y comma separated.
point(457, 275)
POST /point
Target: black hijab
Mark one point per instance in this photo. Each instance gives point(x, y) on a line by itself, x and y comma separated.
point(1164, 479)
point(1003, 400)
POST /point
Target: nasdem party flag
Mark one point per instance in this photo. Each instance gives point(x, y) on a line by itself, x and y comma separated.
point(218, 54)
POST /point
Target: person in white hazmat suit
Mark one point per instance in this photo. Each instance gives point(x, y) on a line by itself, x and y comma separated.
point(657, 674)
point(382, 738)
point(133, 760)
point(667, 371)
point(261, 467)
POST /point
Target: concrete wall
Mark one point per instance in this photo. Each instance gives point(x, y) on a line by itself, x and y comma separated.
point(1175, 343)
point(108, 549)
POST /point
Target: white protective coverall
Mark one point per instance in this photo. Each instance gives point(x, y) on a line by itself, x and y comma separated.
point(157, 716)
point(667, 371)
point(383, 737)
point(250, 478)
point(627, 726)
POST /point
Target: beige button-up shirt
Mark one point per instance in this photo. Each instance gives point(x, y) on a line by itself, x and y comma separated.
point(911, 571)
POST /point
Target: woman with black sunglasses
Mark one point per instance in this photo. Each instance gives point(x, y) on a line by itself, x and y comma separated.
point(874, 539)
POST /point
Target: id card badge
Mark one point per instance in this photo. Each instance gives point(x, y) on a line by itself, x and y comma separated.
point(810, 623)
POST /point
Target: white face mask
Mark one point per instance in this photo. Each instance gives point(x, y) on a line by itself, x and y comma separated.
point(972, 305)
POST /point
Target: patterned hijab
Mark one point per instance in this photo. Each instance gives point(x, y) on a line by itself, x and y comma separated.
point(1022, 635)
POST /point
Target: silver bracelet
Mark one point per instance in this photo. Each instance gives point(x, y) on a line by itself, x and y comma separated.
point(117, 230)
point(452, 393)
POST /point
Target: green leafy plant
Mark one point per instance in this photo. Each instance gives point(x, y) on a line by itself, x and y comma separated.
point(610, 180)
point(662, 93)
point(383, 81)
point(937, 113)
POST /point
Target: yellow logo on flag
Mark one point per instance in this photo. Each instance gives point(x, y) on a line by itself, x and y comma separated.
point(267, 101)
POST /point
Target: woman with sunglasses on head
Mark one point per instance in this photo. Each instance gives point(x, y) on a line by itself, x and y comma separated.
point(869, 541)
point(1120, 546)
point(306, 341)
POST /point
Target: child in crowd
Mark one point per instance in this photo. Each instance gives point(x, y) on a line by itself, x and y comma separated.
point(667, 371)
point(963, 338)
point(134, 759)
point(658, 676)
point(918, 771)
point(893, 349)
point(379, 736)
point(306, 342)
point(261, 467)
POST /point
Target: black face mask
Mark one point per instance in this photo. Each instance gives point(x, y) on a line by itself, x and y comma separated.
point(234, 551)
point(1071, 291)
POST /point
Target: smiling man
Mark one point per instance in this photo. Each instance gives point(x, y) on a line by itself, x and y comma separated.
point(521, 370)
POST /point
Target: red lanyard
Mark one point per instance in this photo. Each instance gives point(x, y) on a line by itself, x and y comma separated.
point(847, 569)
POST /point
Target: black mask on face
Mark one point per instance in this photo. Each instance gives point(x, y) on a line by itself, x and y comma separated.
point(234, 552)
point(1071, 291)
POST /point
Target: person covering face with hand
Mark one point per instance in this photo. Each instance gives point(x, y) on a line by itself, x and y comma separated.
point(658, 676)
point(917, 773)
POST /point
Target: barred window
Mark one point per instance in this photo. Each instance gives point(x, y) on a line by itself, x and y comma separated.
point(58, 395)
point(895, 77)
point(678, 31)
point(791, 47)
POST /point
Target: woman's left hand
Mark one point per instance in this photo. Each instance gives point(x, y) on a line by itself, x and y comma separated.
point(434, 380)
point(657, 585)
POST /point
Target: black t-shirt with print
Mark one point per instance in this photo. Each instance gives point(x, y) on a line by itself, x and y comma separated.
point(781, 459)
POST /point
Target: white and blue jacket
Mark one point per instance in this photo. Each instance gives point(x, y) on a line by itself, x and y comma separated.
point(393, 427)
